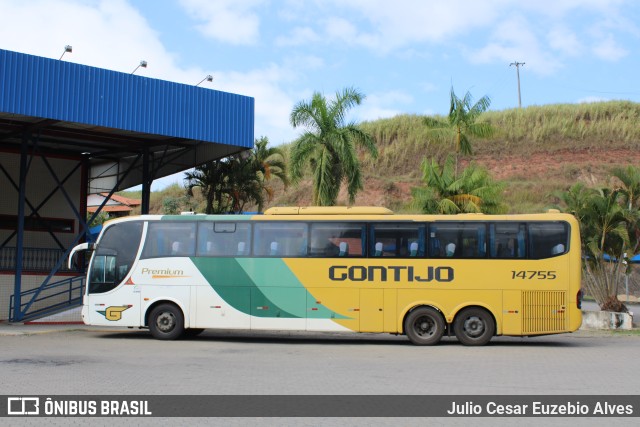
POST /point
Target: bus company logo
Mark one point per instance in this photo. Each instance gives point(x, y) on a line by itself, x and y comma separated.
point(397, 273)
point(114, 313)
point(23, 406)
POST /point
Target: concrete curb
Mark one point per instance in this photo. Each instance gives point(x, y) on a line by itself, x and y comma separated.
point(598, 320)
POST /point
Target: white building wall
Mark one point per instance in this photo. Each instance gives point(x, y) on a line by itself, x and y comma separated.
point(40, 183)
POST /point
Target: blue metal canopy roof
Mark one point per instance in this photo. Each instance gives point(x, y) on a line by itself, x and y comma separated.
point(77, 109)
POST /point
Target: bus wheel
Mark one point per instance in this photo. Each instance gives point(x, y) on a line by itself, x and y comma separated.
point(166, 322)
point(424, 326)
point(474, 326)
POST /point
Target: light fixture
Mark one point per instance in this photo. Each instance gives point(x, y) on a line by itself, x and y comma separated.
point(67, 48)
point(209, 78)
point(142, 64)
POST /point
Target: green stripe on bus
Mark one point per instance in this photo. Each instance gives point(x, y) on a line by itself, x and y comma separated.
point(231, 282)
point(262, 287)
point(273, 274)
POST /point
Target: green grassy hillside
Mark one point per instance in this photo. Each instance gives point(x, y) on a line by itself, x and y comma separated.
point(535, 151)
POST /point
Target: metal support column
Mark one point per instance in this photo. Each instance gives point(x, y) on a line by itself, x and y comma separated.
point(146, 182)
point(17, 288)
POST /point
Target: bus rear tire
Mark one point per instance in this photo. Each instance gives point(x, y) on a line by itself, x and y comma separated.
point(424, 326)
point(474, 326)
point(166, 322)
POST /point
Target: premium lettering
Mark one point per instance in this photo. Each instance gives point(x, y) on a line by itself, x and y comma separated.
point(163, 271)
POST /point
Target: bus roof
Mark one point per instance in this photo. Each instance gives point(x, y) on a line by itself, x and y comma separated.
point(330, 213)
point(329, 210)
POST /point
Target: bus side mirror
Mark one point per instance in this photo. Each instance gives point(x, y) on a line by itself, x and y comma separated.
point(80, 247)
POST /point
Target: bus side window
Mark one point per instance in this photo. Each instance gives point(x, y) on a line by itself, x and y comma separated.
point(507, 240)
point(396, 239)
point(170, 239)
point(223, 239)
point(280, 239)
point(445, 240)
point(326, 238)
point(548, 239)
point(458, 239)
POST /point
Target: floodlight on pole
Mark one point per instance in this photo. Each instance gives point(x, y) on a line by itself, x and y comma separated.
point(142, 64)
point(209, 78)
point(67, 48)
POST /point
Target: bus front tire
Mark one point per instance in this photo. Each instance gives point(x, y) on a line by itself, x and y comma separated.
point(166, 322)
point(474, 326)
point(424, 326)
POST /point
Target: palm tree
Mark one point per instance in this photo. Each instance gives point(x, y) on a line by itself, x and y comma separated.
point(577, 201)
point(328, 145)
point(629, 178)
point(462, 123)
point(242, 185)
point(605, 230)
point(239, 180)
point(210, 178)
point(269, 163)
point(446, 192)
point(228, 184)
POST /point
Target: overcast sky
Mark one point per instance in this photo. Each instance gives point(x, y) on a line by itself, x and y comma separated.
point(404, 55)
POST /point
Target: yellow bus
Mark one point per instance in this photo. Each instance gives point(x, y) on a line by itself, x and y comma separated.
point(359, 269)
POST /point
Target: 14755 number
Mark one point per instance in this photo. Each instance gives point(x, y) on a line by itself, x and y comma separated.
point(533, 274)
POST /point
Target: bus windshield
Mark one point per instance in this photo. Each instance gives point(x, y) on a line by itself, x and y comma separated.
point(114, 256)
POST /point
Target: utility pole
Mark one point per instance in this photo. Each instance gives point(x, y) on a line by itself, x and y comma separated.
point(518, 64)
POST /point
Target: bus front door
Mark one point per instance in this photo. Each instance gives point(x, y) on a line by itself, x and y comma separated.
point(110, 299)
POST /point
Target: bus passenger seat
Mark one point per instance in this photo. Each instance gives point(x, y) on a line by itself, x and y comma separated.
point(344, 249)
point(557, 249)
point(450, 249)
point(175, 248)
point(241, 248)
point(378, 249)
point(273, 249)
point(413, 249)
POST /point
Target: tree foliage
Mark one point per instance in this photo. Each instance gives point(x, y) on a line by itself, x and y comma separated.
point(328, 145)
point(462, 123)
point(270, 163)
point(609, 230)
point(447, 192)
point(235, 182)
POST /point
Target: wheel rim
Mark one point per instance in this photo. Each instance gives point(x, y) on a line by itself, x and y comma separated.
point(474, 326)
point(424, 326)
point(166, 321)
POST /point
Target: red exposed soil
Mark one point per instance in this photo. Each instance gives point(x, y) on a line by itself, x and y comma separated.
point(541, 164)
point(588, 166)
